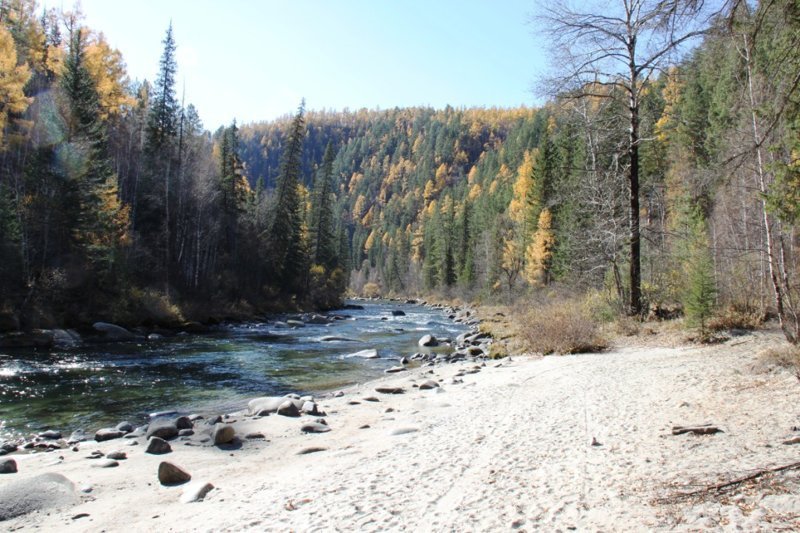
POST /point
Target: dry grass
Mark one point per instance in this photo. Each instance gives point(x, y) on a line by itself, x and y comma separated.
point(733, 317)
point(786, 356)
point(562, 327)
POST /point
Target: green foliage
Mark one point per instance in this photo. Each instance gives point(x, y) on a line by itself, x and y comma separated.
point(701, 290)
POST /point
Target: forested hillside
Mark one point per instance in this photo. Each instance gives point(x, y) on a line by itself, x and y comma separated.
point(672, 188)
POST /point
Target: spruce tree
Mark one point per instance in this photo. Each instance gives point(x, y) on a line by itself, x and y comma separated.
point(323, 241)
point(285, 229)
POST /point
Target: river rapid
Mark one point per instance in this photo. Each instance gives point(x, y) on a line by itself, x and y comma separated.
point(99, 385)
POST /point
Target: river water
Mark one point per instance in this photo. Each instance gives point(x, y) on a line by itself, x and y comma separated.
point(100, 385)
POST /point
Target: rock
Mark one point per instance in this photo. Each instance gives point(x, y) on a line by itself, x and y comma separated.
point(164, 428)
point(403, 431)
point(427, 385)
point(353, 307)
point(108, 434)
point(314, 427)
point(8, 466)
point(311, 449)
point(154, 337)
point(195, 492)
point(793, 440)
point(705, 429)
point(185, 432)
point(371, 399)
point(117, 455)
point(158, 446)
point(404, 360)
point(112, 332)
point(389, 390)
point(170, 474)
point(398, 312)
point(310, 408)
point(184, 422)
point(223, 434)
point(255, 435)
point(8, 447)
point(318, 319)
point(333, 338)
point(32, 339)
point(106, 463)
point(364, 354)
point(65, 338)
point(295, 323)
point(428, 341)
point(288, 408)
point(267, 405)
point(395, 369)
point(125, 427)
point(50, 434)
point(162, 414)
point(45, 491)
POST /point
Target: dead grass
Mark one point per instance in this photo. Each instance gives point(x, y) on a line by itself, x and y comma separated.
point(562, 327)
point(733, 318)
point(785, 357)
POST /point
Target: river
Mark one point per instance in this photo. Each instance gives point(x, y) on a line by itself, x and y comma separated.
point(98, 385)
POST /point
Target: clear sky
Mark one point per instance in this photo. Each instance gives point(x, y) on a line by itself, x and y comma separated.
point(255, 59)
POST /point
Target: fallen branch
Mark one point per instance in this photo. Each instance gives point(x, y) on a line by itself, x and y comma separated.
point(704, 429)
point(727, 486)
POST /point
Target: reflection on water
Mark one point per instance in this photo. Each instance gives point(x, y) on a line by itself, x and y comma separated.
point(99, 385)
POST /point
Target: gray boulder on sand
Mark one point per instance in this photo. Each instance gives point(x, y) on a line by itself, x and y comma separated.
point(222, 434)
point(266, 405)
point(314, 427)
point(195, 492)
point(430, 384)
point(108, 434)
point(288, 408)
point(8, 466)
point(170, 474)
point(395, 369)
point(44, 491)
point(158, 446)
point(164, 428)
point(112, 332)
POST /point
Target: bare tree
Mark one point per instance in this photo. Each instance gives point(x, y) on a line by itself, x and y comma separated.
point(616, 48)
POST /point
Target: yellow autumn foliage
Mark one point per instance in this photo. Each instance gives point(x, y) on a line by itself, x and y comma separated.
point(107, 68)
point(13, 78)
point(540, 251)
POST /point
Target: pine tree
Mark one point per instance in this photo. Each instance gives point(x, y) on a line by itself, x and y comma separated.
point(285, 229)
point(701, 290)
point(321, 231)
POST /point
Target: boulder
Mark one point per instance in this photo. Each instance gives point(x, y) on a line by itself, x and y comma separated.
point(184, 422)
point(265, 405)
point(50, 434)
point(389, 390)
point(288, 408)
point(428, 341)
point(333, 338)
point(45, 491)
point(108, 434)
point(185, 432)
point(318, 319)
point(295, 323)
point(195, 492)
point(8, 466)
point(106, 463)
point(170, 474)
point(158, 446)
point(154, 337)
point(125, 427)
point(65, 338)
point(395, 369)
point(112, 332)
point(427, 385)
point(398, 312)
point(314, 427)
point(310, 408)
point(364, 354)
point(164, 428)
point(222, 434)
point(117, 455)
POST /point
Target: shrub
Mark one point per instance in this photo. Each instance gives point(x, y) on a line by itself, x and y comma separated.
point(371, 290)
point(734, 317)
point(562, 327)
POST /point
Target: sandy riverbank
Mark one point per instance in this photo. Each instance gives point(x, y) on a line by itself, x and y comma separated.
point(508, 447)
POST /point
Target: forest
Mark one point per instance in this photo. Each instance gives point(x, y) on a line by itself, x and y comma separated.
point(659, 181)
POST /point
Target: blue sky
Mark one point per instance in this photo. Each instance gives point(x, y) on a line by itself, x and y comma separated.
point(254, 60)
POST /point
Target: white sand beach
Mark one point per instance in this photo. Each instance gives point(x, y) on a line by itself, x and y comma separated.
point(509, 447)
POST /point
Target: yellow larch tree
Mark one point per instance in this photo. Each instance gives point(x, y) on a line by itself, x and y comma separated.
point(539, 253)
point(107, 69)
point(13, 78)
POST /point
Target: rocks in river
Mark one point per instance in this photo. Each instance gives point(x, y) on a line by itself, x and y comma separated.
point(295, 323)
point(65, 338)
point(395, 369)
point(8, 466)
point(164, 428)
point(398, 312)
point(404, 360)
point(427, 385)
point(288, 408)
point(317, 319)
point(112, 332)
point(171, 474)
point(428, 341)
point(158, 446)
point(154, 337)
point(26, 339)
point(389, 390)
point(333, 338)
point(195, 492)
point(108, 434)
point(50, 434)
point(364, 354)
point(45, 491)
point(222, 434)
point(353, 307)
point(314, 427)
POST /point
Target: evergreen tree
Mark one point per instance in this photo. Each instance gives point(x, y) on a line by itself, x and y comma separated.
point(701, 289)
point(321, 230)
point(285, 229)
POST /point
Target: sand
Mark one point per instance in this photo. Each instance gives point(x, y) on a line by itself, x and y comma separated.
point(508, 448)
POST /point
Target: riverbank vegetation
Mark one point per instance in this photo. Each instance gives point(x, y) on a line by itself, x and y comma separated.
point(665, 191)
